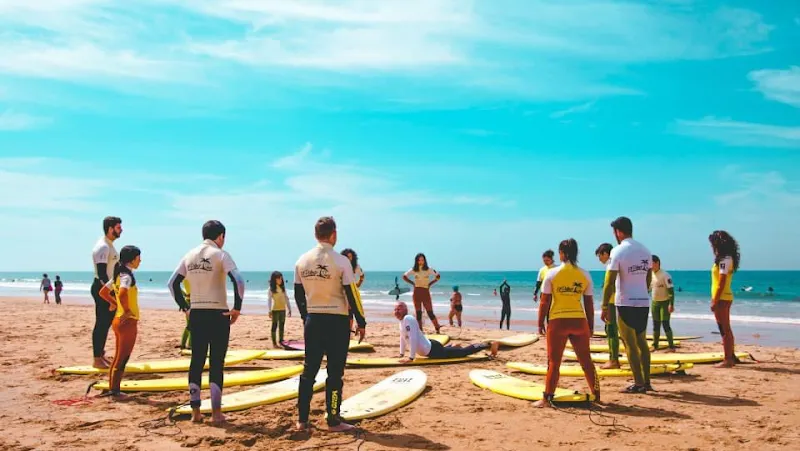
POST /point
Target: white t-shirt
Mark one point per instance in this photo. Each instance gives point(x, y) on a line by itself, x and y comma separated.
point(358, 274)
point(412, 337)
point(206, 267)
point(324, 273)
point(104, 252)
point(631, 260)
point(422, 278)
point(660, 285)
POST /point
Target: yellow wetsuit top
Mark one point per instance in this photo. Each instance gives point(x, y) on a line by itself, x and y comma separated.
point(187, 291)
point(125, 280)
point(725, 266)
point(567, 283)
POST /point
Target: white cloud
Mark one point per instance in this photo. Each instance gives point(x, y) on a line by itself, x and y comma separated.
point(295, 159)
point(582, 108)
point(743, 134)
point(13, 121)
point(780, 85)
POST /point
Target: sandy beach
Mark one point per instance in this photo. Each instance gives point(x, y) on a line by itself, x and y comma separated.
point(752, 406)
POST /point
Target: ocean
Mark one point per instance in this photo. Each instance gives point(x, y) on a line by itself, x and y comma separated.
point(758, 316)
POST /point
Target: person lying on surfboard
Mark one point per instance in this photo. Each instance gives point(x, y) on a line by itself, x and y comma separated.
point(411, 336)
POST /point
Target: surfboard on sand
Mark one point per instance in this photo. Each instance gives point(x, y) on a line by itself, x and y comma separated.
point(577, 371)
point(164, 366)
point(602, 334)
point(231, 380)
point(387, 395)
point(259, 396)
point(521, 389)
point(603, 347)
point(518, 340)
point(300, 345)
point(269, 354)
point(395, 361)
point(660, 359)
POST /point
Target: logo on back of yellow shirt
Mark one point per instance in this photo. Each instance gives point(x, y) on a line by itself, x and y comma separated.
point(577, 287)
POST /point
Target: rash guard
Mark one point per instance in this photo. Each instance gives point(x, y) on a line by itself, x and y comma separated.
point(411, 336)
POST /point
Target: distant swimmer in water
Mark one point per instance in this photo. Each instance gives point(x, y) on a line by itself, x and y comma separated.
point(770, 291)
point(726, 263)
point(747, 289)
point(680, 289)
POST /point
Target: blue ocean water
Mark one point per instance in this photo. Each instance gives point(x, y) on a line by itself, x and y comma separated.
point(774, 317)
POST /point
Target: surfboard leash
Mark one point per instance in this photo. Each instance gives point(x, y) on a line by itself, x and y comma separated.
point(84, 400)
point(359, 437)
point(593, 410)
point(167, 421)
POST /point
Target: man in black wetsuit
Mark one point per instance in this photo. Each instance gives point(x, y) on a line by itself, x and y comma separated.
point(505, 297)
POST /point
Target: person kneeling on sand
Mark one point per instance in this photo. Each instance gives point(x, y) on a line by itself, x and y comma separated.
point(418, 344)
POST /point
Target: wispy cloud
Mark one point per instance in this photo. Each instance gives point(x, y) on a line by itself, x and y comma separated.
point(758, 189)
point(582, 108)
point(780, 85)
point(293, 160)
point(742, 134)
point(13, 121)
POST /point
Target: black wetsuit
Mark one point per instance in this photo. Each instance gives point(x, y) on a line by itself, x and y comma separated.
point(505, 297)
point(450, 352)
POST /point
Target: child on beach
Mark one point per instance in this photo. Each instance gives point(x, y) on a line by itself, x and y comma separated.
point(455, 306)
point(45, 286)
point(59, 287)
point(278, 304)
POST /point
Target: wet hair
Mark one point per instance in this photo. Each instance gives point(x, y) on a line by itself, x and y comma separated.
point(549, 254)
point(604, 248)
point(110, 222)
point(354, 262)
point(273, 282)
point(624, 225)
point(416, 260)
point(44, 275)
point(58, 277)
point(570, 249)
point(724, 245)
point(126, 255)
point(213, 229)
point(656, 259)
point(324, 228)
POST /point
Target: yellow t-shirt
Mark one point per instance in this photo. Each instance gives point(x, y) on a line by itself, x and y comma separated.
point(567, 283)
point(543, 272)
point(127, 281)
point(278, 299)
point(725, 266)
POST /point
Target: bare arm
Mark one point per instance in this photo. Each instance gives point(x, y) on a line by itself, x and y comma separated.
point(588, 307)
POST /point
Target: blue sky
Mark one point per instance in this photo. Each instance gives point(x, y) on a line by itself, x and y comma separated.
point(479, 132)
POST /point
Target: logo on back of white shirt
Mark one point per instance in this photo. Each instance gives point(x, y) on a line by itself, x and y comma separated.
point(643, 267)
point(320, 272)
point(203, 265)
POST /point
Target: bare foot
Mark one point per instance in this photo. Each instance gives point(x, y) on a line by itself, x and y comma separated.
point(610, 365)
point(672, 350)
point(494, 346)
point(542, 404)
point(302, 427)
point(341, 427)
point(118, 396)
point(218, 419)
point(197, 417)
point(725, 364)
point(100, 363)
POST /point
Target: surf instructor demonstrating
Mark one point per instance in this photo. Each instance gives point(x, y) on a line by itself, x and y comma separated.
point(104, 259)
point(207, 267)
point(325, 291)
point(628, 272)
point(422, 283)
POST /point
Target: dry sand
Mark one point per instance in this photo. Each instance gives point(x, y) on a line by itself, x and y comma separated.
point(753, 406)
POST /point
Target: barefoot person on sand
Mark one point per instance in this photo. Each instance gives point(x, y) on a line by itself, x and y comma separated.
point(603, 253)
point(58, 288)
point(456, 306)
point(726, 263)
point(104, 258)
point(663, 293)
point(422, 288)
point(207, 267)
point(358, 273)
point(411, 336)
point(126, 318)
point(277, 305)
point(547, 259)
point(325, 291)
point(564, 287)
point(505, 298)
point(45, 286)
point(629, 272)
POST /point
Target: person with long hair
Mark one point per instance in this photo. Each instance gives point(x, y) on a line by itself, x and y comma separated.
point(126, 319)
point(278, 304)
point(424, 278)
point(726, 263)
point(358, 273)
point(45, 287)
point(562, 317)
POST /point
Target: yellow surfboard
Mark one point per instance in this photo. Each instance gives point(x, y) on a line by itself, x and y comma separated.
point(522, 389)
point(518, 340)
point(395, 361)
point(441, 338)
point(231, 380)
point(269, 354)
point(259, 396)
point(577, 371)
point(387, 395)
point(164, 366)
point(602, 334)
point(661, 359)
point(603, 347)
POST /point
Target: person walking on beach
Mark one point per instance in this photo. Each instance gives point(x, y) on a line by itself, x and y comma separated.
point(59, 287)
point(326, 291)
point(424, 278)
point(726, 263)
point(44, 286)
point(663, 292)
point(603, 253)
point(206, 267)
point(104, 258)
point(456, 306)
point(629, 271)
point(547, 259)
point(358, 273)
point(277, 304)
point(562, 317)
point(505, 298)
point(122, 291)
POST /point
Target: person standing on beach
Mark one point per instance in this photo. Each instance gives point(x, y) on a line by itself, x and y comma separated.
point(547, 259)
point(45, 287)
point(59, 287)
point(505, 298)
point(663, 293)
point(726, 263)
point(603, 253)
point(186, 337)
point(326, 292)
point(206, 267)
point(358, 273)
point(277, 304)
point(422, 283)
point(567, 318)
point(456, 306)
point(104, 259)
point(126, 318)
point(629, 271)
